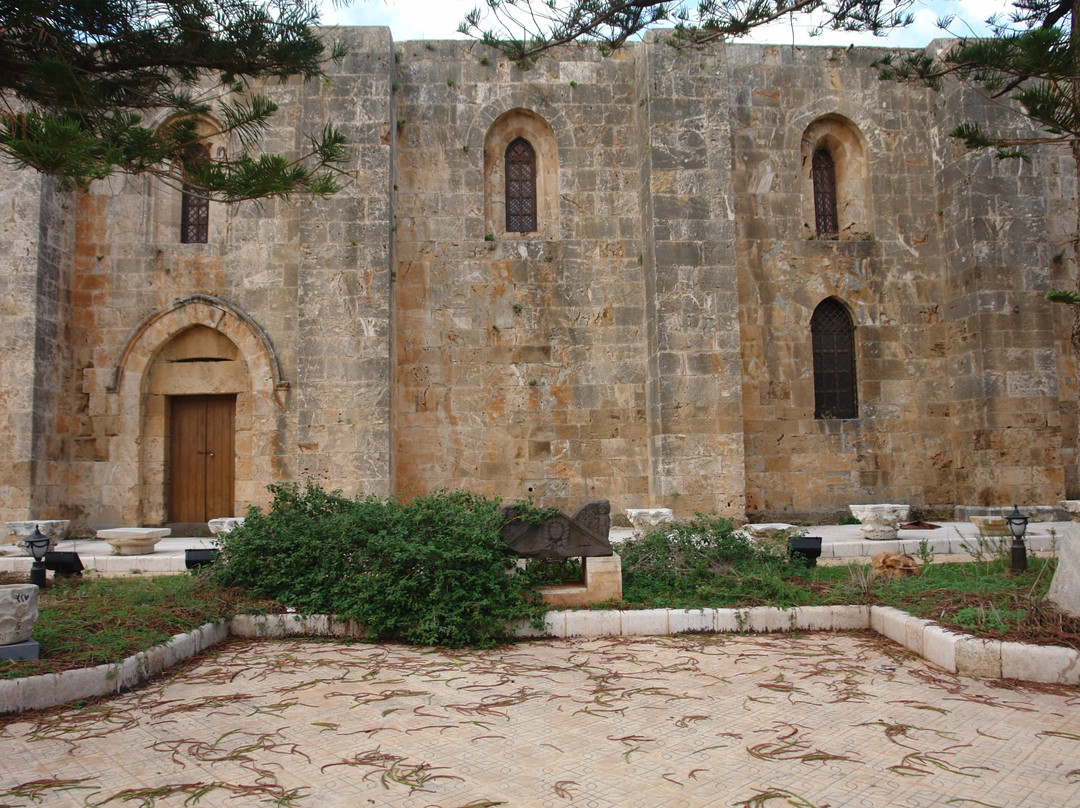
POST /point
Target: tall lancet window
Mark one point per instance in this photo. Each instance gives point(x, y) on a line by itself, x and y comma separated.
point(195, 210)
point(833, 336)
point(824, 172)
point(520, 187)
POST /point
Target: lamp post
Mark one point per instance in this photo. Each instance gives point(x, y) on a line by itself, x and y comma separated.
point(38, 545)
point(1017, 523)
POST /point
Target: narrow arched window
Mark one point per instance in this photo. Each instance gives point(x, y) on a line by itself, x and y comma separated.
point(833, 335)
point(195, 209)
point(520, 187)
point(824, 173)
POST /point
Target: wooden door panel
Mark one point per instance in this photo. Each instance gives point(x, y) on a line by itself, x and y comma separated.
point(201, 457)
point(219, 459)
point(187, 436)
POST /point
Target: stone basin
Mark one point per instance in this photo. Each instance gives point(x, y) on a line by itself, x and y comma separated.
point(991, 526)
point(224, 524)
point(1073, 508)
point(766, 530)
point(880, 522)
point(18, 612)
point(55, 529)
point(133, 540)
point(643, 518)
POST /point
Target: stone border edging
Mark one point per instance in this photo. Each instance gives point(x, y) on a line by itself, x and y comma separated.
point(955, 653)
point(50, 689)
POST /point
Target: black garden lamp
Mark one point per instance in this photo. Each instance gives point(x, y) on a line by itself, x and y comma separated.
point(1018, 523)
point(38, 545)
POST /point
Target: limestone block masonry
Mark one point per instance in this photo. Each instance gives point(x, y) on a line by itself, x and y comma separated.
point(647, 339)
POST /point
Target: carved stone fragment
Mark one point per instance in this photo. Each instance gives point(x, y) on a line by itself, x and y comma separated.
point(585, 534)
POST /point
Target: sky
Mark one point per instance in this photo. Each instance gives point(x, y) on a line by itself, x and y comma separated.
point(439, 19)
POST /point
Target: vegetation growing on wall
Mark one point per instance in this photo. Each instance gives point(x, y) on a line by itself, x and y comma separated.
point(433, 571)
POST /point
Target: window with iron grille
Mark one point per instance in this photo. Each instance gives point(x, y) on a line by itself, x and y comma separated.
point(520, 187)
point(195, 211)
point(824, 173)
point(833, 336)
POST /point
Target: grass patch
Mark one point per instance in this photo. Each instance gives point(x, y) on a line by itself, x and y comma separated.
point(93, 621)
point(707, 564)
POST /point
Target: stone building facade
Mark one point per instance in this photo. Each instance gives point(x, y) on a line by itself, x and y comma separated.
point(650, 335)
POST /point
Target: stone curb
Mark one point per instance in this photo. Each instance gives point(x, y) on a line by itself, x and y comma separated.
point(51, 689)
point(955, 653)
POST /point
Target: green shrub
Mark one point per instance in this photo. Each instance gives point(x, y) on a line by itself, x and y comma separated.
point(434, 571)
point(705, 562)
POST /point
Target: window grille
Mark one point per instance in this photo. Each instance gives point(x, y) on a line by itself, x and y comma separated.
point(824, 173)
point(520, 187)
point(833, 337)
point(195, 211)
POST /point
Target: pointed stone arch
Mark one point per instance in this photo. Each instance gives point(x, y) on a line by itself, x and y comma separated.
point(526, 126)
point(170, 197)
point(832, 335)
point(137, 398)
point(839, 142)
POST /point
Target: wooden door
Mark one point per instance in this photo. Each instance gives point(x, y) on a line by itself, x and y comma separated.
point(201, 457)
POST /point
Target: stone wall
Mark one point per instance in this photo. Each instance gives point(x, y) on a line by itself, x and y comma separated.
point(1004, 338)
point(884, 268)
point(520, 358)
point(696, 430)
point(21, 202)
point(648, 344)
point(302, 287)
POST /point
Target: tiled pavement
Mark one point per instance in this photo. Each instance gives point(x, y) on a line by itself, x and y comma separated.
point(808, 720)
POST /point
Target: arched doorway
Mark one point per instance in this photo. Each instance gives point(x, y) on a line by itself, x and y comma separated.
point(199, 373)
point(201, 346)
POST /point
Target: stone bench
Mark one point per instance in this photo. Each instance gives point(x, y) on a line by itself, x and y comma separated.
point(133, 540)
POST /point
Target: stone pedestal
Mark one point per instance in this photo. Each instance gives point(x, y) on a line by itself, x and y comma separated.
point(27, 649)
point(880, 522)
point(1065, 586)
point(603, 583)
point(133, 540)
point(18, 612)
point(55, 529)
